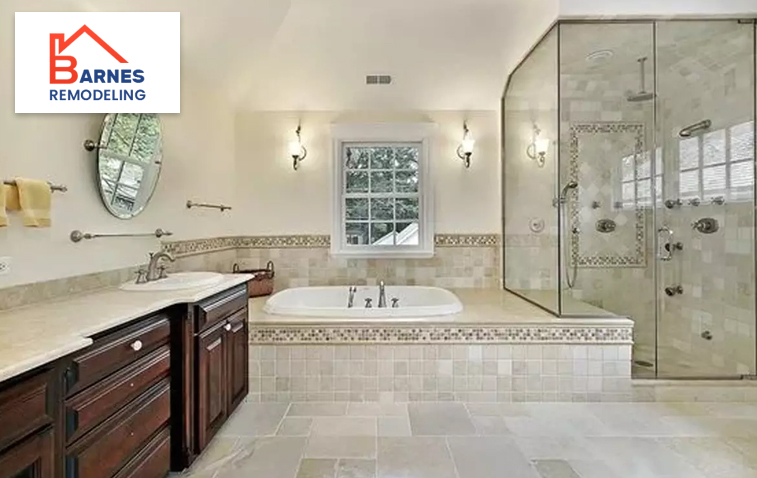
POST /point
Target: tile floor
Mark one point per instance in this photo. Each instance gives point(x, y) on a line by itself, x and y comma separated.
point(482, 440)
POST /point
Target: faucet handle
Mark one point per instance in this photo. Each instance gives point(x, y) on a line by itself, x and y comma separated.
point(141, 276)
point(368, 303)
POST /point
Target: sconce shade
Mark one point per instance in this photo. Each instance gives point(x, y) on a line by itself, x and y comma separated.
point(295, 148)
point(542, 146)
point(467, 144)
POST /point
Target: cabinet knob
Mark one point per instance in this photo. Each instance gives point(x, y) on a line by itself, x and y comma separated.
point(136, 345)
point(227, 327)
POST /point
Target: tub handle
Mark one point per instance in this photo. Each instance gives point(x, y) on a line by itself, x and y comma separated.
point(395, 303)
point(368, 303)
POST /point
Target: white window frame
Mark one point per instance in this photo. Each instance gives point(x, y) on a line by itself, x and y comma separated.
point(423, 133)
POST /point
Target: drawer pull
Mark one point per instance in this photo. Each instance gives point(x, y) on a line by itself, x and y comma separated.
point(227, 327)
point(136, 345)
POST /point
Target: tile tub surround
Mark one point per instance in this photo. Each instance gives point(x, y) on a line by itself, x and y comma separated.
point(500, 348)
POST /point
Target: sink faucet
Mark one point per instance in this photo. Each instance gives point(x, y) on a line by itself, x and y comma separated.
point(153, 272)
point(351, 298)
point(382, 295)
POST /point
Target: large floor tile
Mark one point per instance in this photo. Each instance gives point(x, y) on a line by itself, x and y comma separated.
point(254, 419)
point(295, 426)
point(440, 419)
point(554, 448)
point(641, 458)
point(317, 468)
point(377, 409)
point(340, 447)
point(317, 409)
point(712, 456)
point(272, 457)
point(489, 457)
point(394, 427)
point(555, 469)
point(587, 468)
point(414, 457)
point(354, 468)
point(488, 425)
point(344, 426)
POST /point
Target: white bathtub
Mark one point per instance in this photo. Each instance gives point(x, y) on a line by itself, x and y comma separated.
point(414, 301)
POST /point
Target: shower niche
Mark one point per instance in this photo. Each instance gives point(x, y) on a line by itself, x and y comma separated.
point(647, 186)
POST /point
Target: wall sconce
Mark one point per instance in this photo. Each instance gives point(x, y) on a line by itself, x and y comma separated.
point(297, 150)
point(465, 150)
point(538, 148)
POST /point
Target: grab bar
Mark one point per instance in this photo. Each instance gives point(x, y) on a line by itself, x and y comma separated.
point(77, 236)
point(691, 129)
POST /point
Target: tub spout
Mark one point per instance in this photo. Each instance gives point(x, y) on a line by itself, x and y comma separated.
point(351, 298)
point(382, 295)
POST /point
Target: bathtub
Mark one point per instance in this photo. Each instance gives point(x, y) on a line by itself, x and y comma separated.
point(414, 301)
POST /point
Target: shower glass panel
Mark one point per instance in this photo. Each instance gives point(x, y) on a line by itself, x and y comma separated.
point(706, 111)
point(606, 151)
point(530, 177)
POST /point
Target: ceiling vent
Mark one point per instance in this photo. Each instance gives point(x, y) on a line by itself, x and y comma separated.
point(378, 79)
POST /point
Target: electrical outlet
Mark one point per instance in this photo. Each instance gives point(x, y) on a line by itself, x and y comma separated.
point(5, 265)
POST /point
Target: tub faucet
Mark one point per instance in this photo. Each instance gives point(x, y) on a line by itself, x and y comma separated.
point(351, 298)
point(382, 295)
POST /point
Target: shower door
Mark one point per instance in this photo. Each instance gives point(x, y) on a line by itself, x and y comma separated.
point(704, 213)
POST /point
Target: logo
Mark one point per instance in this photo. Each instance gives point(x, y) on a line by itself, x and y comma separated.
point(123, 62)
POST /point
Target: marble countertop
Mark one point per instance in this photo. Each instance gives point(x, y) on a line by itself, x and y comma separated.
point(41, 333)
point(493, 307)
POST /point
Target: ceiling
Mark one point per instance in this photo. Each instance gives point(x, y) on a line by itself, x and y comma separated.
point(314, 54)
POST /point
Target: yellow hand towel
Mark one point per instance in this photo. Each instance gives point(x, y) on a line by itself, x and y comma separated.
point(35, 198)
point(3, 214)
point(11, 198)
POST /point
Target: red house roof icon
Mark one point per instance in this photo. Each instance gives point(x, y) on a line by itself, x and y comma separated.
point(63, 43)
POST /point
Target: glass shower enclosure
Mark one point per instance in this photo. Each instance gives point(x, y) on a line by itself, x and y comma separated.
point(628, 179)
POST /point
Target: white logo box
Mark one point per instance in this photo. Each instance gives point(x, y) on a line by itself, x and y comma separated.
point(150, 43)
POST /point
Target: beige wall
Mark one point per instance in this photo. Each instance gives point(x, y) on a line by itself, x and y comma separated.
point(198, 164)
point(275, 199)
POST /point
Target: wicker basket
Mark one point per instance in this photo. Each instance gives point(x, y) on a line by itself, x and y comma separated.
point(262, 279)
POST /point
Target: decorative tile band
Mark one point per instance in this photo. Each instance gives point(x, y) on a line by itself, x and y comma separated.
point(305, 241)
point(434, 334)
point(301, 241)
point(467, 240)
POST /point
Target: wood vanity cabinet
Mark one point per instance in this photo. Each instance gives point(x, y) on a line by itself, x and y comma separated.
point(28, 413)
point(215, 348)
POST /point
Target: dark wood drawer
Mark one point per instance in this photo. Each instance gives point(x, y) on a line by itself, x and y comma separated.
point(90, 407)
point(113, 351)
point(220, 306)
point(113, 443)
point(153, 461)
point(25, 407)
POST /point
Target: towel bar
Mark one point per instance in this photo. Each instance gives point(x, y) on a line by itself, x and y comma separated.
point(222, 207)
point(77, 236)
point(53, 187)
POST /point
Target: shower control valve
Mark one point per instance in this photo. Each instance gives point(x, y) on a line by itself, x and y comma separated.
point(672, 290)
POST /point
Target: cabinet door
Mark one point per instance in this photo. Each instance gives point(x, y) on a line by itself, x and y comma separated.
point(212, 358)
point(32, 458)
point(238, 359)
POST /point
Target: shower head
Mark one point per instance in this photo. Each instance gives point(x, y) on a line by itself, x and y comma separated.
point(643, 94)
point(564, 192)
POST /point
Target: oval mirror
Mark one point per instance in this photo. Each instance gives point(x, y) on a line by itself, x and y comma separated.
point(129, 158)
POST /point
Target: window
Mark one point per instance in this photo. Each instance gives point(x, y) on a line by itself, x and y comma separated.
point(636, 179)
point(382, 195)
point(718, 163)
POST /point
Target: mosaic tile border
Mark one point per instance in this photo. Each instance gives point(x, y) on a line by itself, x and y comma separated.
point(305, 241)
point(467, 240)
point(437, 334)
point(639, 258)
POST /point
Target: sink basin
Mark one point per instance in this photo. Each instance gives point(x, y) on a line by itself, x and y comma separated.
point(178, 281)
